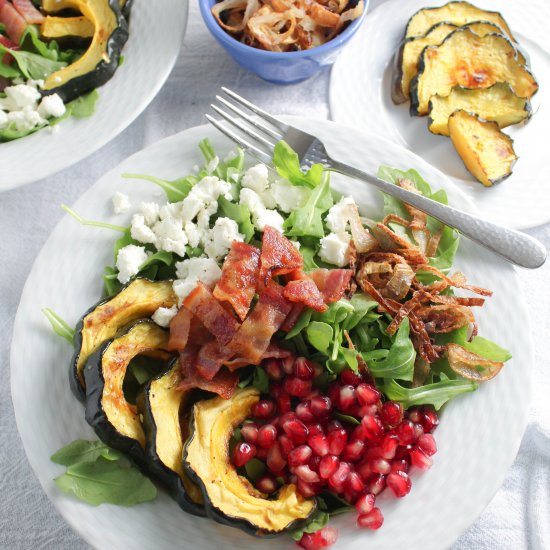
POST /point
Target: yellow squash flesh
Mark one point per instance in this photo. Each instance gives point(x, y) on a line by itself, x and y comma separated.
point(61, 27)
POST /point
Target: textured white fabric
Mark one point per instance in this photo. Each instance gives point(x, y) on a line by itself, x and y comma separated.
point(518, 517)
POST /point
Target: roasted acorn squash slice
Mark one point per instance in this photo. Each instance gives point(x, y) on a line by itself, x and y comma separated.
point(61, 27)
point(98, 64)
point(115, 421)
point(468, 60)
point(166, 425)
point(498, 103)
point(230, 498)
point(457, 13)
point(138, 299)
point(487, 152)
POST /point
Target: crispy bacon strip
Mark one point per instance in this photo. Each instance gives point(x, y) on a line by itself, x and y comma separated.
point(272, 352)
point(332, 283)
point(210, 359)
point(237, 284)
point(202, 304)
point(279, 256)
point(292, 317)
point(306, 292)
point(179, 329)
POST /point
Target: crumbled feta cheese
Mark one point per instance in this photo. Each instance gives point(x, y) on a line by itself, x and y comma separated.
point(3, 119)
point(38, 84)
point(182, 288)
point(24, 120)
point(129, 260)
point(150, 211)
point(269, 217)
point(191, 206)
point(224, 232)
point(19, 96)
point(163, 315)
point(337, 218)
point(260, 214)
point(287, 196)
point(212, 165)
point(51, 106)
point(170, 211)
point(194, 234)
point(121, 203)
point(190, 271)
point(335, 249)
point(170, 236)
point(140, 231)
point(256, 178)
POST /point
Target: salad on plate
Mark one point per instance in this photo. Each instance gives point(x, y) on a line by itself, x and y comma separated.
point(268, 354)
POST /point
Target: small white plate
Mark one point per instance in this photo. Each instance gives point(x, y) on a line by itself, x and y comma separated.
point(156, 34)
point(478, 437)
point(360, 97)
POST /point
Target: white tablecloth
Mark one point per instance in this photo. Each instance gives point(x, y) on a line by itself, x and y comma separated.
point(519, 515)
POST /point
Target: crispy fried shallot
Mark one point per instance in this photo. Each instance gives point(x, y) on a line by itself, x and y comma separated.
point(470, 365)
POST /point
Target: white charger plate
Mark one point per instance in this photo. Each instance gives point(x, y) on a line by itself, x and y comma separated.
point(156, 34)
point(360, 96)
point(478, 437)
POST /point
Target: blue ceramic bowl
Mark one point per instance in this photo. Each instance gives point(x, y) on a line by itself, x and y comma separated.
point(279, 67)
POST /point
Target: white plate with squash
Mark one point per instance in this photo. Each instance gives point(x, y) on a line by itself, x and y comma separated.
point(464, 87)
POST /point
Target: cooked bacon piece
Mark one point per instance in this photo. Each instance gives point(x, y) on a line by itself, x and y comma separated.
point(201, 303)
point(332, 283)
point(224, 383)
point(254, 336)
point(210, 359)
point(306, 292)
point(272, 352)
point(15, 24)
point(237, 285)
point(5, 41)
point(279, 256)
point(292, 317)
point(30, 14)
point(179, 329)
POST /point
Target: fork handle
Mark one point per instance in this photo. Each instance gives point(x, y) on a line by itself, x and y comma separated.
point(518, 248)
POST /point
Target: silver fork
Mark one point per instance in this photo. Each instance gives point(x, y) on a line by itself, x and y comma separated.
point(258, 132)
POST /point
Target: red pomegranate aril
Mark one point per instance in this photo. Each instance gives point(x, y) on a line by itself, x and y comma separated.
point(355, 483)
point(333, 425)
point(286, 445)
point(388, 446)
point(307, 490)
point(303, 368)
point(263, 409)
point(315, 392)
point(249, 431)
point(365, 503)
point(376, 484)
point(372, 426)
point(429, 421)
point(364, 470)
point(427, 443)
point(315, 429)
point(391, 414)
point(334, 393)
point(349, 377)
point(319, 444)
point(339, 477)
point(321, 406)
point(242, 453)
point(403, 451)
point(296, 430)
point(405, 432)
point(328, 465)
point(415, 415)
point(275, 460)
point(353, 450)
point(380, 466)
point(399, 483)
point(261, 453)
point(400, 465)
point(267, 435)
point(299, 455)
point(297, 387)
point(273, 369)
point(372, 453)
point(304, 412)
point(287, 364)
point(337, 440)
point(347, 398)
point(420, 459)
point(284, 403)
point(366, 410)
point(367, 394)
point(305, 473)
point(314, 462)
point(266, 484)
point(373, 520)
point(358, 433)
point(418, 431)
point(328, 535)
point(320, 539)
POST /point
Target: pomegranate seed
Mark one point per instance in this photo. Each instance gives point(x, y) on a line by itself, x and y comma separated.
point(430, 421)
point(320, 539)
point(339, 477)
point(267, 435)
point(319, 444)
point(304, 412)
point(405, 432)
point(261, 453)
point(307, 490)
point(399, 483)
point(334, 393)
point(305, 473)
point(263, 409)
point(366, 410)
point(283, 403)
point(303, 368)
point(347, 398)
point(266, 484)
point(285, 444)
point(275, 459)
point(420, 459)
point(296, 430)
point(391, 414)
point(403, 451)
point(273, 369)
point(299, 455)
point(328, 465)
point(365, 503)
point(373, 452)
point(250, 432)
point(337, 440)
point(388, 446)
point(355, 483)
point(314, 462)
point(315, 429)
point(380, 466)
point(328, 535)
point(372, 427)
point(358, 433)
point(315, 392)
point(349, 377)
point(242, 453)
point(415, 415)
point(367, 394)
point(287, 364)
point(276, 390)
point(364, 470)
point(321, 406)
point(297, 387)
point(427, 443)
point(333, 425)
point(418, 431)
point(376, 484)
point(373, 520)
point(353, 450)
point(400, 466)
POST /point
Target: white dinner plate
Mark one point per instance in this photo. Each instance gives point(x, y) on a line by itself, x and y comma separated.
point(478, 436)
point(360, 96)
point(156, 33)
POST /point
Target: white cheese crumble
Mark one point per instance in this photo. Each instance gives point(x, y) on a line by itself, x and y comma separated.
point(256, 178)
point(193, 270)
point(163, 315)
point(51, 106)
point(337, 218)
point(224, 232)
point(335, 249)
point(212, 165)
point(261, 215)
point(121, 203)
point(129, 260)
point(288, 197)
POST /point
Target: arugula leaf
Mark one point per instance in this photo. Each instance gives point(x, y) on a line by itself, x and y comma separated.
point(209, 155)
point(9, 71)
point(302, 322)
point(10, 132)
point(175, 190)
point(32, 65)
point(486, 348)
point(110, 282)
point(287, 164)
point(347, 418)
point(241, 214)
point(260, 380)
point(31, 42)
point(59, 326)
point(362, 304)
point(84, 105)
point(106, 481)
point(317, 521)
point(308, 254)
point(320, 335)
point(160, 256)
point(81, 450)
